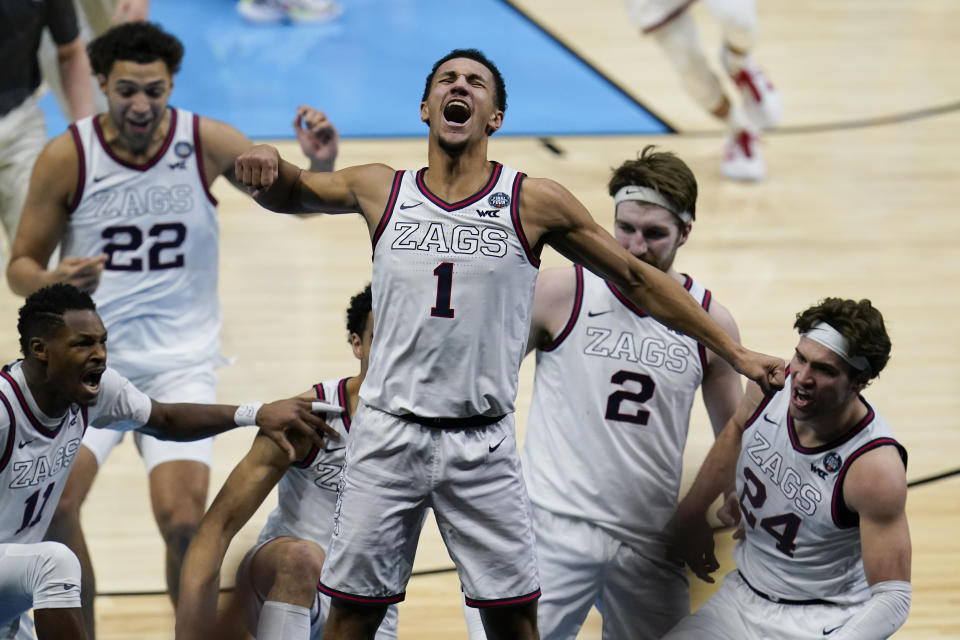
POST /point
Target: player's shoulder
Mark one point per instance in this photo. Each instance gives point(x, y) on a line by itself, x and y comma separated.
point(59, 154)
point(557, 284)
point(876, 482)
point(215, 134)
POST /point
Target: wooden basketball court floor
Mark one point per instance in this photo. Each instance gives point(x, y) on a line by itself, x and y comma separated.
point(860, 201)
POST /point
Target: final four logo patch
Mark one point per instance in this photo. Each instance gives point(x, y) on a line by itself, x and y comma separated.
point(832, 461)
point(499, 200)
point(183, 149)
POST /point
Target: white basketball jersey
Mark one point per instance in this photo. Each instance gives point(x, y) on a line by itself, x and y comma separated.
point(452, 296)
point(802, 541)
point(610, 412)
point(157, 223)
point(307, 492)
point(36, 451)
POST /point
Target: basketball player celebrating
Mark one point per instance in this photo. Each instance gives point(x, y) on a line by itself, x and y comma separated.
point(825, 550)
point(609, 416)
point(127, 192)
point(61, 387)
point(455, 257)
point(277, 579)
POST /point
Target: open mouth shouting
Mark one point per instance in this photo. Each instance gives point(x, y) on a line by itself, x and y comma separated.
point(139, 125)
point(90, 381)
point(456, 112)
point(801, 399)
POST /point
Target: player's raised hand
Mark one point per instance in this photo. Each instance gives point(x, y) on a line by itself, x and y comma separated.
point(317, 136)
point(83, 273)
point(766, 371)
point(258, 168)
point(130, 11)
point(296, 414)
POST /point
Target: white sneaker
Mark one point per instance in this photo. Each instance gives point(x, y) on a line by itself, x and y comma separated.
point(741, 157)
point(761, 101)
point(299, 11)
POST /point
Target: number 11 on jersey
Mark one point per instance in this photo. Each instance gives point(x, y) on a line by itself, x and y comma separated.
point(444, 273)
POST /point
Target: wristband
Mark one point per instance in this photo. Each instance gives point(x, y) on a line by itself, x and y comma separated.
point(246, 415)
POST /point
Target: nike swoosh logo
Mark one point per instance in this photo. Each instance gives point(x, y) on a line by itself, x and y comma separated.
point(99, 178)
point(494, 447)
point(24, 443)
point(405, 206)
point(826, 633)
point(592, 314)
point(334, 449)
point(765, 417)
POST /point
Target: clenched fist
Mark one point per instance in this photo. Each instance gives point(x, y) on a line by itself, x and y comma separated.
point(258, 168)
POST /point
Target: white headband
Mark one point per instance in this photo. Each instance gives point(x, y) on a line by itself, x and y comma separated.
point(832, 339)
point(650, 196)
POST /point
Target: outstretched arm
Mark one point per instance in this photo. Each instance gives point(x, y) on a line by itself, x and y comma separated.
point(186, 421)
point(281, 186)
point(551, 214)
point(243, 492)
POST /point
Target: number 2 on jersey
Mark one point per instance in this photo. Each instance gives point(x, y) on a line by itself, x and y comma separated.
point(615, 399)
point(444, 273)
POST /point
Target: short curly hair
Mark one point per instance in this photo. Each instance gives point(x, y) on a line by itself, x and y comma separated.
point(42, 313)
point(857, 321)
point(662, 171)
point(359, 311)
point(141, 42)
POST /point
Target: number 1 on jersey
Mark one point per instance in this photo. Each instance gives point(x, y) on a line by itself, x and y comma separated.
point(444, 273)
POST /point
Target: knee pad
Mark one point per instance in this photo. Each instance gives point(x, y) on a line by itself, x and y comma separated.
point(55, 576)
point(681, 42)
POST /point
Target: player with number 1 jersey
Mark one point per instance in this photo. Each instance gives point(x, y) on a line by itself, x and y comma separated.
point(439, 268)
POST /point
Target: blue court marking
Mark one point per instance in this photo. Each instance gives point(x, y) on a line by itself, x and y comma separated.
point(367, 69)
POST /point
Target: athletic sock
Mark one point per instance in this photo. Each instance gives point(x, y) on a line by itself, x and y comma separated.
point(283, 620)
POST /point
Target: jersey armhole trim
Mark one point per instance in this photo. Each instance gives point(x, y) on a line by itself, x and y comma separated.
point(11, 437)
point(574, 313)
point(705, 303)
point(342, 395)
point(841, 514)
point(756, 412)
point(81, 170)
point(388, 210)
point(515, 217)
point(198, 151)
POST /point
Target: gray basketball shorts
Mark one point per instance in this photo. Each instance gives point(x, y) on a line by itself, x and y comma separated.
point(395, 470)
